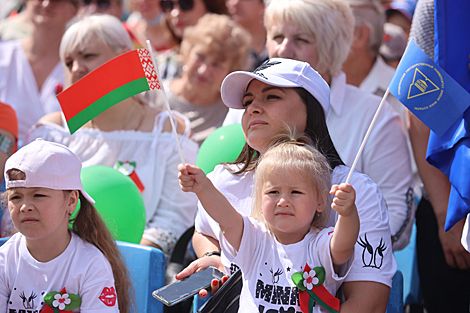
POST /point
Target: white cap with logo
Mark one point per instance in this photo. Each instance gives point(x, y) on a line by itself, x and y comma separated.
point(277, 72)
point(46, 165)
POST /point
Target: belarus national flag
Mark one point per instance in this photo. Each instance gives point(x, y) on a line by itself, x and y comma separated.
point(116, 80)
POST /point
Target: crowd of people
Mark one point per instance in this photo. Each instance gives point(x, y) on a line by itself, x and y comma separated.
point(303, 78)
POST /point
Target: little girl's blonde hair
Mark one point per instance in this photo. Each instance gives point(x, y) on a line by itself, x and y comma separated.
point(294, 154)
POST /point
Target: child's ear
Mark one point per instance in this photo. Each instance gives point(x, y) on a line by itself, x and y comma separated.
point(72, 201)
point(322, 198)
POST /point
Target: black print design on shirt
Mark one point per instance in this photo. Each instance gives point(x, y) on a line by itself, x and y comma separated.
point(276, 275)
point(372, 257)
point(264, 66)
point(28, 303)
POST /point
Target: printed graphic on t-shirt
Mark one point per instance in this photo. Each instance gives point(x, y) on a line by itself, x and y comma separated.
point(108, 296)
point(372, 255)
point(273, 292)
point(24, 301)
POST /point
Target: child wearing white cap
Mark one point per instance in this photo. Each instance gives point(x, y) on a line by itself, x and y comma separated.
point(47, 266)
point(285, 245)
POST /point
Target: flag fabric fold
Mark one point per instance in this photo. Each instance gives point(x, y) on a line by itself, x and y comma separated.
point(116, 80)
point(450, 152)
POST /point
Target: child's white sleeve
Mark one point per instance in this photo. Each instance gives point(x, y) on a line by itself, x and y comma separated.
point(4, 290)
point(253, 239)
point(98, 292)
point(321, 246)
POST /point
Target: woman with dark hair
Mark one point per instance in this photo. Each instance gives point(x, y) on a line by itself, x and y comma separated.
point(280, 92)
point(179, 15)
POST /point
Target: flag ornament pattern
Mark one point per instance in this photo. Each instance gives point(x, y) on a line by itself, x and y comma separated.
point(428, 91)
point(118, 79)
point(149, 69)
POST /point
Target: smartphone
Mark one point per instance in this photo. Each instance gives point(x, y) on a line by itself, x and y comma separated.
point(188, 287)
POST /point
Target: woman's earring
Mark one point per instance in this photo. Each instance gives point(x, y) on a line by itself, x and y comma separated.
point(184, 68)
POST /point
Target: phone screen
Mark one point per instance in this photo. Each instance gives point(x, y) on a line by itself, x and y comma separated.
point(183, 289)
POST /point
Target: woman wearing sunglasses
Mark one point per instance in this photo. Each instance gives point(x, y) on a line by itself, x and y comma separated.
point(180, 14)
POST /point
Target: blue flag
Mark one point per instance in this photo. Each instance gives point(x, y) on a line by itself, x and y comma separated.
point(451, 152)
point(428, 91)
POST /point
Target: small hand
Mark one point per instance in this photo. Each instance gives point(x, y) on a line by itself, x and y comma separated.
point(199, 265)
point(191, 178)
point(345, 195)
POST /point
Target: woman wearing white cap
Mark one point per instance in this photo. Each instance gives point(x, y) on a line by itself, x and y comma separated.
point(279, 92)
point(320, 32)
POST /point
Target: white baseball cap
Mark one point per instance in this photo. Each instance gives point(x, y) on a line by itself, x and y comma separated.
point(46, 165)
point(277, 72)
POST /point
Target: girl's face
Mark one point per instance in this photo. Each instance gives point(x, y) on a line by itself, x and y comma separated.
point(41, 213)
point(179, 19)
point(85, 58)
point(205, 70)
point(291, 42)
point(289, 205)
point(267, 110)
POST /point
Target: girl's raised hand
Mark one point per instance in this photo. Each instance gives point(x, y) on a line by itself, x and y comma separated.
point(191, 178)
point(345, 197)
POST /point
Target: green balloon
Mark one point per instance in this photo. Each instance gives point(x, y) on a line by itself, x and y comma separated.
point(223, 145)
point(118, 201)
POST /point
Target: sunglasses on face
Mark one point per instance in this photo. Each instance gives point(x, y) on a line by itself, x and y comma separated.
point(101, 4)
point(168, 5)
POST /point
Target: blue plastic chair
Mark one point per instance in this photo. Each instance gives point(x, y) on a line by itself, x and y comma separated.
point(147, 270)
point(395, 300)
point(3, 240)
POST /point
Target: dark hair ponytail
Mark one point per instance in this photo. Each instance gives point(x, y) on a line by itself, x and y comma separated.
point(90, 227)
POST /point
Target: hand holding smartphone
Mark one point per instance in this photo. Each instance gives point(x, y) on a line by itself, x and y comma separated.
point(186, 288)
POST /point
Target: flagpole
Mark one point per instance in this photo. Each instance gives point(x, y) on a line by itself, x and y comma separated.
point(167, 104)
point(367, 134)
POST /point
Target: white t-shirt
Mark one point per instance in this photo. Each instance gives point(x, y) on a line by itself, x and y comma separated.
point(373, 260)
point(169, 210)
point(267, 266)
point(19, 88)
point(82, 269)
point(385, 157)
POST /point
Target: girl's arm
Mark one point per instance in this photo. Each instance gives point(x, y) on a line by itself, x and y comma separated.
point(347, 227)
point(193, 179)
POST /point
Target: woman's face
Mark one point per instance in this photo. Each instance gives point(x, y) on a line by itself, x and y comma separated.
point(267, 110)
point(149, 9)
point(85, 58)
point(54, 13)
point(205, 70)
point(290, 42)
point(179, 19)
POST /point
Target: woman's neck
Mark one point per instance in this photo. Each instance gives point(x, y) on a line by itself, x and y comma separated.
point(43, 42)
point(182, 88)
point(47, 249)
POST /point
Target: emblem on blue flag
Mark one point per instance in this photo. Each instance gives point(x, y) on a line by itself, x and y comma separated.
point(428, 91)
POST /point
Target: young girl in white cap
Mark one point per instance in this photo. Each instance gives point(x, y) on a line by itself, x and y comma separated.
point(286, 233)
point(48, 267)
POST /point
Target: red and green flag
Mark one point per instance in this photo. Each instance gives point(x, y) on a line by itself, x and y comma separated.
point(116, 80)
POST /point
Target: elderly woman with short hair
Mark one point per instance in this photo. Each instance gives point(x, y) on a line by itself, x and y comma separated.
point(210, 50)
